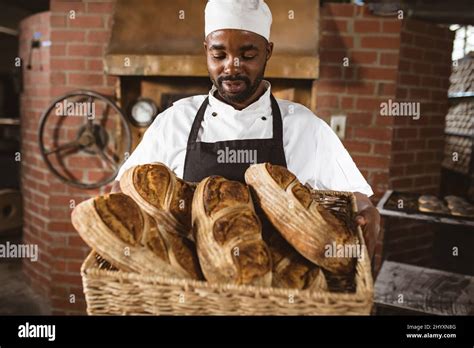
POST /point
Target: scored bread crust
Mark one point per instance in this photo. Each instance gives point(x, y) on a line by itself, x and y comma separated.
point(160, 193)
point(290, 269)
point(118, 230)
point(228, 234)
point(304, 223)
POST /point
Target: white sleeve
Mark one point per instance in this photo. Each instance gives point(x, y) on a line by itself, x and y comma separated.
point(335, 169)
point(147, 150)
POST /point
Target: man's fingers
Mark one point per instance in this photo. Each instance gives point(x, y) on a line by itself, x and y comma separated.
point(361, 220)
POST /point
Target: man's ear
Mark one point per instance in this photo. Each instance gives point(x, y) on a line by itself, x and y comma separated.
point(269, 50)
point(205, 46)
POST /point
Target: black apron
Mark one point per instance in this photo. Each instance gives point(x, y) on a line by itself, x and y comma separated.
point(202, 159)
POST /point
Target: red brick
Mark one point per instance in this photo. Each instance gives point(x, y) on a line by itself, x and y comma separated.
point(61, 6)
point(364, 57)
point(68, 63)
point(100, 7)
point(75, 79)
point(360, 88)
point(75, 241)
point(406, 133)
point(357, 146)
point(359, 118)
point(431, 132)
point(411, 53)
point(61, 227)
point(58, 49)
point(377, 73)
point(335, 41)
point(331, 101)
point(86, 21)
point(85, 50)
point(412, 80)
point(389, 59)
point(347, 102)
point(338, 10)
point(402, 183)
point(422, 68)
point(330, 72)
point(403, 157)
point(371, 161)
point(391, 26)
point(386, 42)
point(334, 25)
point(387, 89)
point(372, 133)
point(369, 104)
point(58, 21)
point(366, 25)
point(97, 36)
point(382, 149)
point(69, 253)
point(67, 36)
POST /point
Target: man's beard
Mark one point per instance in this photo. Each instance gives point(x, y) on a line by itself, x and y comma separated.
point(245, 94)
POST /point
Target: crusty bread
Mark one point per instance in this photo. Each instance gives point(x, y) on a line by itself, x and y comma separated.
point(116, 227)
point(290, 269)
point(161, 194)
point(228, 234)
point(302, 221)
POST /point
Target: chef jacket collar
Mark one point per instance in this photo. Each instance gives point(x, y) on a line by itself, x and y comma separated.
point(259, 107)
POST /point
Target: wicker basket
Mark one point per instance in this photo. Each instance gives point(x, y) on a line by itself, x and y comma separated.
point(109, 291)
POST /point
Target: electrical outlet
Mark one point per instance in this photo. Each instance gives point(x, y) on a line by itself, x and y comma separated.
point(338, 125)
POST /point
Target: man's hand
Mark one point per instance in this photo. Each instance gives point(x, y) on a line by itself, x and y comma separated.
point(368, 218)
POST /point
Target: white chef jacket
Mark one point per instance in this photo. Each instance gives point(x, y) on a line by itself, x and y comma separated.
point(313, 151)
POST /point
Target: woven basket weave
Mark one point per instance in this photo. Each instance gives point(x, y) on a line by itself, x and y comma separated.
point(109, 291)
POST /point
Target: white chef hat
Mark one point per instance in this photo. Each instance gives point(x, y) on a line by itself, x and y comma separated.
point(249, 15)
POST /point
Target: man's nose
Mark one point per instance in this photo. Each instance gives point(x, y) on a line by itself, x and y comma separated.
point(232, 66)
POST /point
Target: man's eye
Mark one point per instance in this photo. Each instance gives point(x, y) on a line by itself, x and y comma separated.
point(248, 57)
point(218, 57)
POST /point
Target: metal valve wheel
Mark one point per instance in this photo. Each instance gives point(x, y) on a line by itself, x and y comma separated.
point(83, 139)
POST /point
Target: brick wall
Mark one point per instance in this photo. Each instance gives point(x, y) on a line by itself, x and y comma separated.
point(74, 61)
point(34, 176)
point(401, 60)
point(424, 70)
point(371, 46)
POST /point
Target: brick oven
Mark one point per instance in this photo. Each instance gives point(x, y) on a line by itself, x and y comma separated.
point(340, 59)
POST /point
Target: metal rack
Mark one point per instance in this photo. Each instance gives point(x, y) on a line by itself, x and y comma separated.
point(459, 221)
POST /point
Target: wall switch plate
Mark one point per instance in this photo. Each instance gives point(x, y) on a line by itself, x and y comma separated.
point(338, 125)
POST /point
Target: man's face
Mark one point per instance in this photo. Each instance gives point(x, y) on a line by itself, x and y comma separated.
point(236, 62)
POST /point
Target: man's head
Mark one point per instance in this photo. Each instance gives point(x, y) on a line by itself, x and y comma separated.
point(237, 47)
point(236, 61)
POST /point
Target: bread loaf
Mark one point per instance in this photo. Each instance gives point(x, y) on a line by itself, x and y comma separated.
point(116, 227)
point(302, 221)
point(161, 194)
point(228, 234)
point(290, 269)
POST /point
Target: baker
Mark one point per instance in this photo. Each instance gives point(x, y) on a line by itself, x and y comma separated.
point(240, 122)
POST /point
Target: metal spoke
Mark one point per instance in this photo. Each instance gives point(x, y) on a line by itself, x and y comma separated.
point(63, 147)
point(106, 157)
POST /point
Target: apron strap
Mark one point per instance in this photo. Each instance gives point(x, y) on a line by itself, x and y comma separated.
point(197, 123)
point(276, 113)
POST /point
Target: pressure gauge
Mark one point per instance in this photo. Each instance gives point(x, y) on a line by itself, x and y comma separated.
point(143, 112)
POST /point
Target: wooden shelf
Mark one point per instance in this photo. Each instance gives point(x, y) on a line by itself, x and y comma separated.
point(279, 66)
